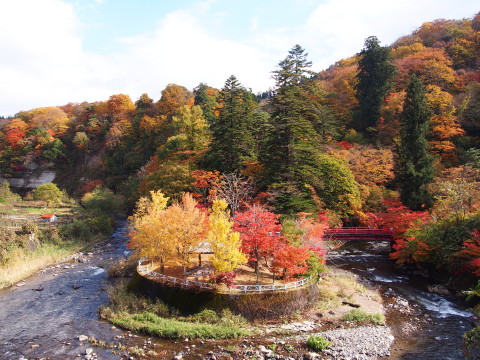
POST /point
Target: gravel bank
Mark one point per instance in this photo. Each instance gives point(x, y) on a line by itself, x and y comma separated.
point(361, 343)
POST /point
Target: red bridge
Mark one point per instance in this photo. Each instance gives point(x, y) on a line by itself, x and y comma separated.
point(359, 233)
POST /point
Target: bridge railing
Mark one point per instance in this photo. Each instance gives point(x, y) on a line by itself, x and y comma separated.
point(147, 271)
point(359, 230)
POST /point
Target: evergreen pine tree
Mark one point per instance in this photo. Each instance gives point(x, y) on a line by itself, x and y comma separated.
point(206, 98)
point(290, 153)
point(233, 141)
point(375, 79)
point(414, 164)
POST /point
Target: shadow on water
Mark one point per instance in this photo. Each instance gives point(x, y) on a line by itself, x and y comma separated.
point(426, 326)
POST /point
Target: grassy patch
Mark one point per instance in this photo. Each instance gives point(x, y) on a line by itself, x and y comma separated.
point(152, 324)
point(348, 284)
point(318, 343)
point(337, 287)
point(153, 317)
point(361, 316)
point(122, 301)
point(328, 298)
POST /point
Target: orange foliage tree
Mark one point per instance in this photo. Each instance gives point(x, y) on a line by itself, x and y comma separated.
point(206, 184)
point(173, 98)
point(168, 234)
point(444, 123)
point(290, 261)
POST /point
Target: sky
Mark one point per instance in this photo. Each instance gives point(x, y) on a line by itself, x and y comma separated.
point(53, 52)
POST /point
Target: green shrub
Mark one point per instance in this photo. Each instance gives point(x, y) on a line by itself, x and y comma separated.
point(6, 195)
point(77, 230)
point(102, 201)
point(101, 224)
point(318, 343)
point(29, 228)
point(228, 318)
point(471, 343)
point(49, 193)
point(51, 235)
point(205, 316)
point(471, 339)
point(361, 316)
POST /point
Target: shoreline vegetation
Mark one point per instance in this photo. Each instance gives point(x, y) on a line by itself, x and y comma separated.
point(342, 298)
point(28, 244)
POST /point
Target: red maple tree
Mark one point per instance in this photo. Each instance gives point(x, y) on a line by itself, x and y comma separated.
point(291, 261)
point(259, 231)
point(472, 251)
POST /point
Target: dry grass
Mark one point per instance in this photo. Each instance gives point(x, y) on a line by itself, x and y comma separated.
point(23, 263)
point(337, 287)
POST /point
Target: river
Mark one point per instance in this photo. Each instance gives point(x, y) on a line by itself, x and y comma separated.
point(426, 326)
point(42, 318)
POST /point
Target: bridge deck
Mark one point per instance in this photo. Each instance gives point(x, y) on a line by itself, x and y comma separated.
point(359, 233)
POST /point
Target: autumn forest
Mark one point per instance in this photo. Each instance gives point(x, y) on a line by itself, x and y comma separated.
point(389, 137)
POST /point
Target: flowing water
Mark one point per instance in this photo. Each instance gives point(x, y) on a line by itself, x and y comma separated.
point(44, 317)
point(426, 326)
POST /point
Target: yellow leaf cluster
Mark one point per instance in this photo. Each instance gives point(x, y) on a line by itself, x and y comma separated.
point(224, 243)
point(167, 234)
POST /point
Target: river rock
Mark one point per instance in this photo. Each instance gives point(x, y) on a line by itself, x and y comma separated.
point(266, 352)
point(82, 337)
point(438, 289)
point(88, 351)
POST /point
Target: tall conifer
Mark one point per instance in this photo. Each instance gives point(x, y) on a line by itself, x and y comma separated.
point(233, 140)
point(414, 164)
point(375, 79)
point(290, 154)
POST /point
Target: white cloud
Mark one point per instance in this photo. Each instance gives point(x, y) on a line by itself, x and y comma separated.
point(43, 62)
point(338, 28)
point(182, 52)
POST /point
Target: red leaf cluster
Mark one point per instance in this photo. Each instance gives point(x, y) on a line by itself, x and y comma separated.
point(259, 231)
point(472, 251)
point(226, 278)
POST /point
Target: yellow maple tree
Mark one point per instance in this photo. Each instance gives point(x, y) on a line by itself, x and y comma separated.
point(224, 242)
point(150, 230)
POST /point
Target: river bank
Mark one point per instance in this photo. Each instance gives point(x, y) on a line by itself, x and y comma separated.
point(54, 315)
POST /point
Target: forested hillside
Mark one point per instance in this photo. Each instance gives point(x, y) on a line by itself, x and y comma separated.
point(282, 140)
point(391, 130)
